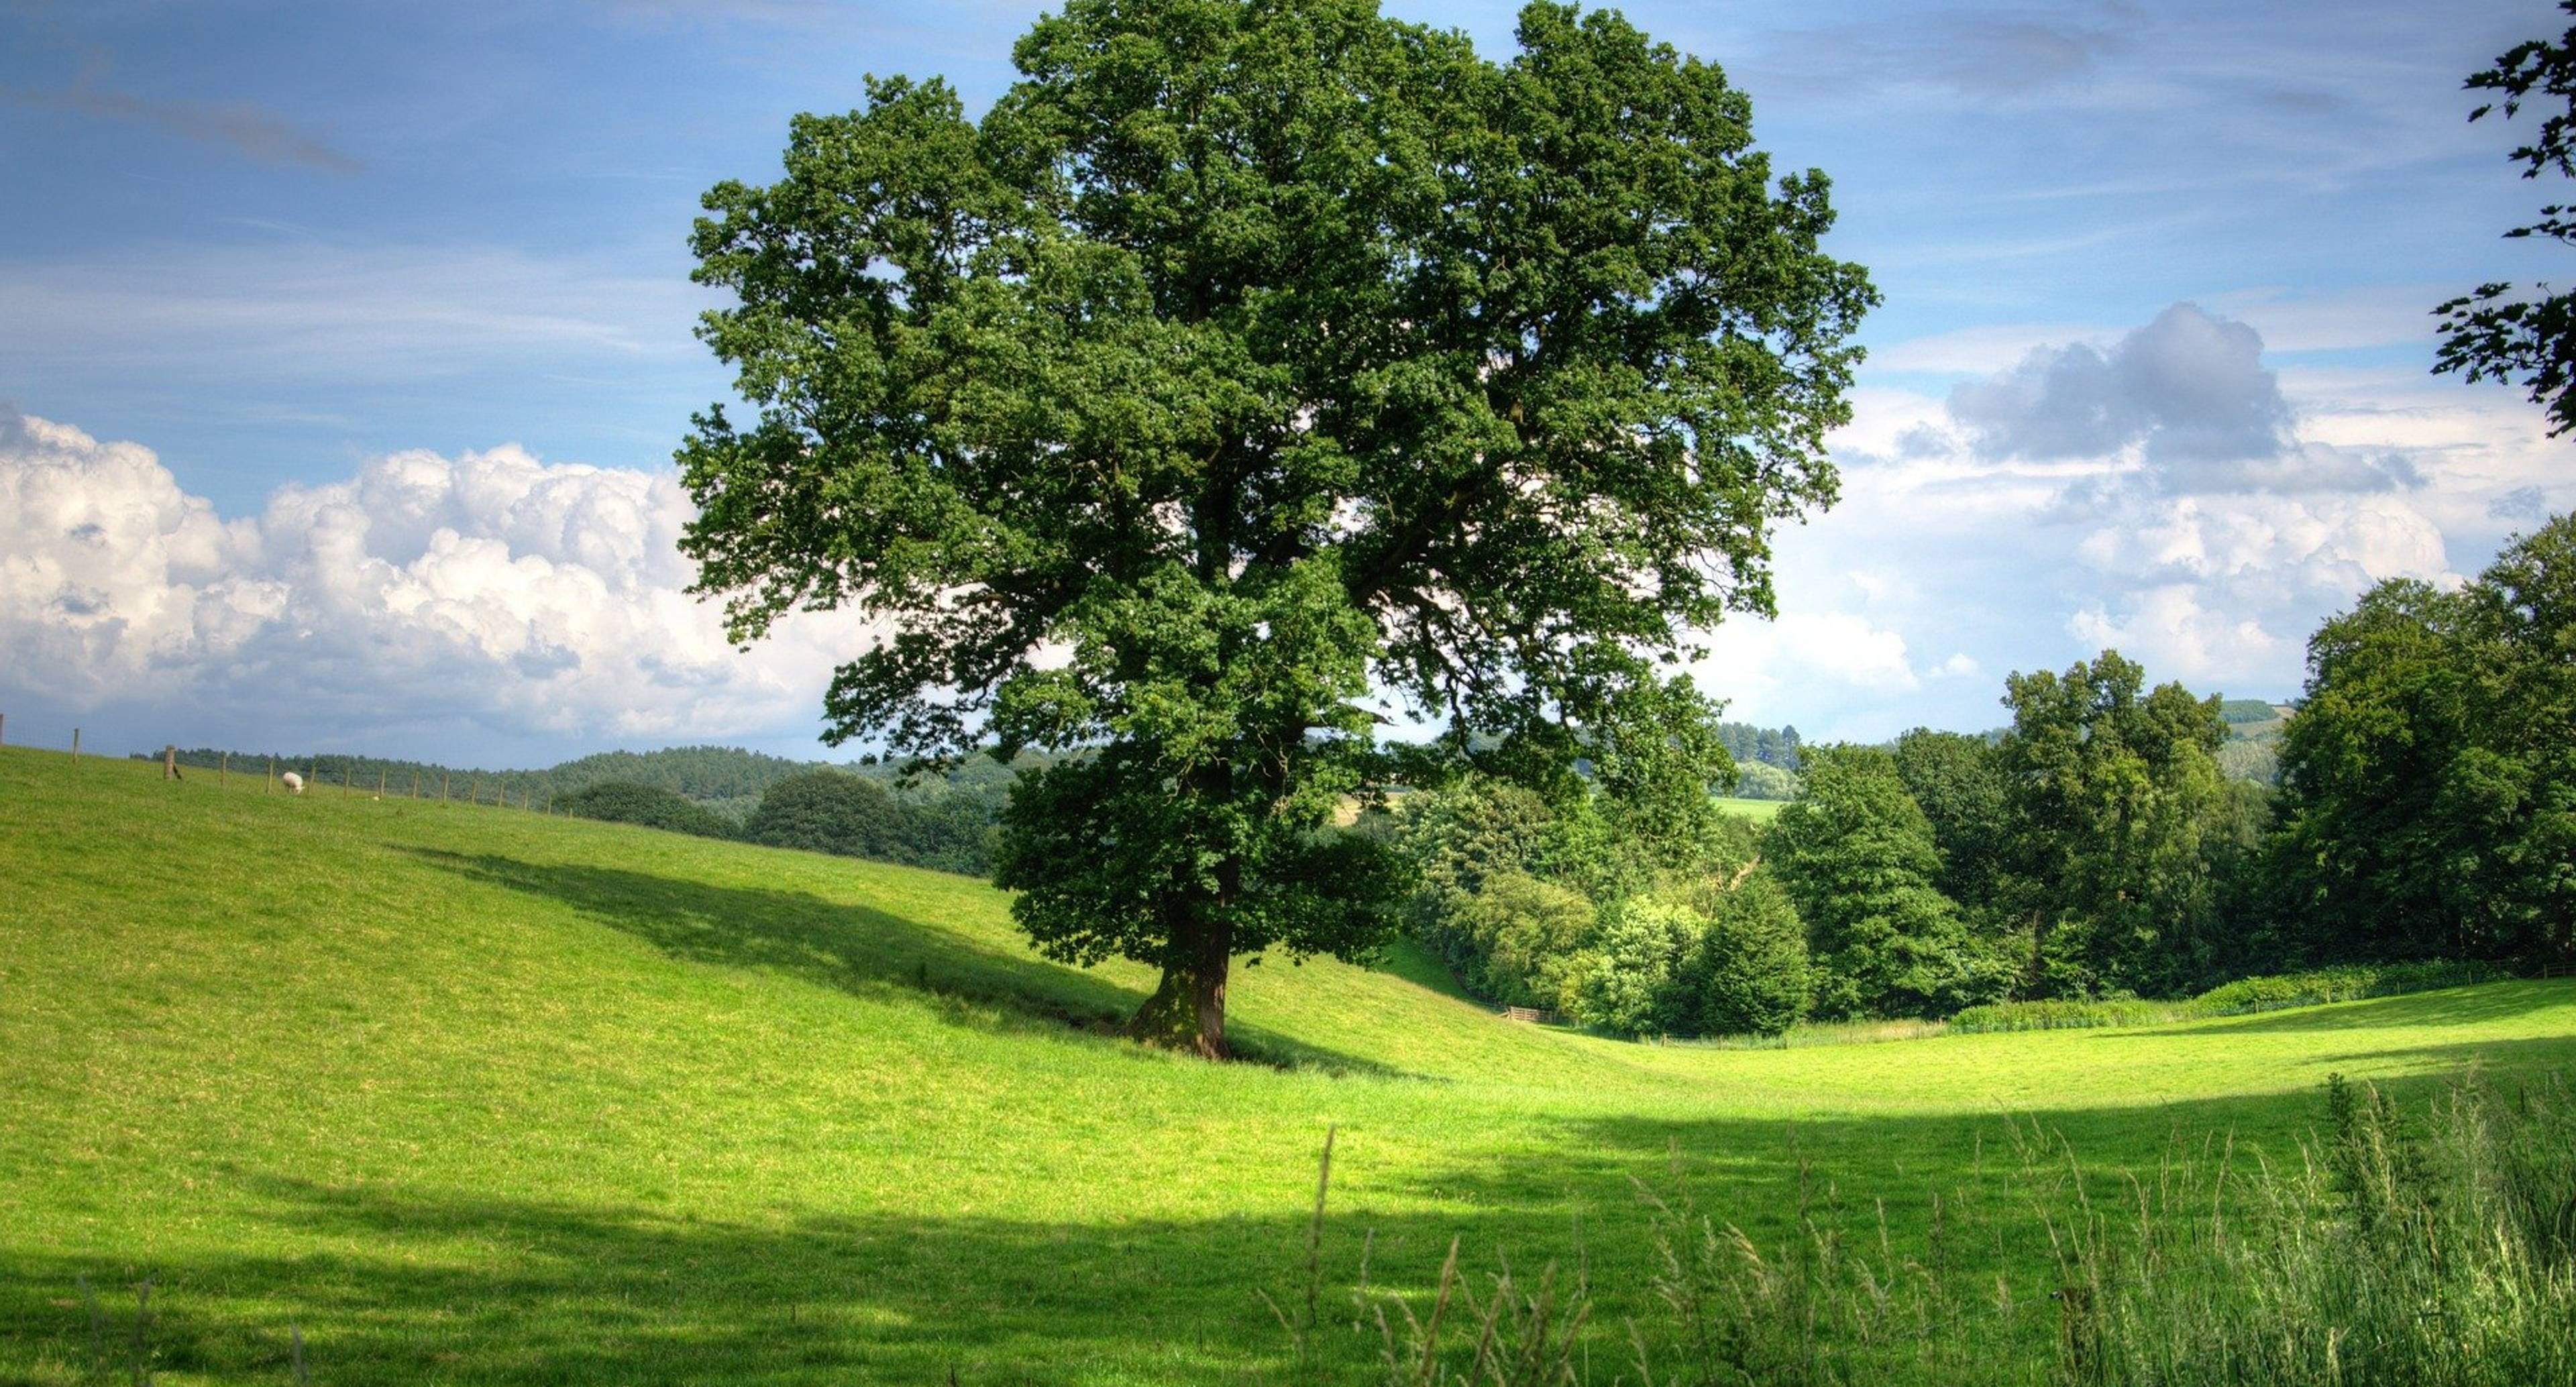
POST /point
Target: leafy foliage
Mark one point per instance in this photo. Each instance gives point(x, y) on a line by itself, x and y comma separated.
point(1748, 973)
point(1524, 938)
point(827, 811)
point(2429, 783)
point(2124, 834)
point(1258, 357)
point(1626, 982)
point(626, 802)
point(859, 816)
point(1856, 855)
point(2243, 710)
point(2491, 333)
point(1958, 782)
point(1760, 780)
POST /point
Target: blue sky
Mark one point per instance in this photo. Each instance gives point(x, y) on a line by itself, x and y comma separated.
point(342, 349)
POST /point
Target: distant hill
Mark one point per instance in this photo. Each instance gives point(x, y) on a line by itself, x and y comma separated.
point(2253, 747)
point(726, 779)
point(2249, 710)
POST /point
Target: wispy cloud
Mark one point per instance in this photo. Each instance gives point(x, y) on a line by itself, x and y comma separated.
point(312, 310)
point(246, 127)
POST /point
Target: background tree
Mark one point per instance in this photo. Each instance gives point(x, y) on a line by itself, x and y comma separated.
point(1256, 357)
point(1761, 780)
point(2493, 333)
point(1525, 936)
point(1457, 838)
point(2521, 766)
point(2428, 799)
point(828, 811)
point(2363, 847)
point(1957, 780)
point(1627, 983)
point(1856, 856)
point(622, 801)
point(2118, 819)
point(1748, 974)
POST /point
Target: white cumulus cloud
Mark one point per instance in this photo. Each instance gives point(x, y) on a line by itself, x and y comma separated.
point(488, 591)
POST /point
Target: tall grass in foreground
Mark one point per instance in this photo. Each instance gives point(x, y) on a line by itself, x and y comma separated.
point(2432, 1247)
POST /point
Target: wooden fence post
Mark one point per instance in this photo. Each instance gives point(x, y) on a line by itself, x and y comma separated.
point(75, 741)
point(380, 782)
point(170, 761)
point(4, 729)
point(415, 784)
point(269, 786)
point(442, 787)
point(224, 768)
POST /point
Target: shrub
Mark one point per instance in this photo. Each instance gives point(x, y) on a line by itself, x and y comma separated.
point(624, 801)
point(2345, 984)
point(828, 811)
point(1625, 983)
point(2058, 1014)
point(1527, 932)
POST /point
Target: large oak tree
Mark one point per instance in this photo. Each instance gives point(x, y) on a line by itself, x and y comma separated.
point(1245, 362)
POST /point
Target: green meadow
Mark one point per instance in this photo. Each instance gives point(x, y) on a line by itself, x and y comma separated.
point(470, 1095)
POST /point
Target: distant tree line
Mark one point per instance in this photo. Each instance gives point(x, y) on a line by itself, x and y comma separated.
point(877, 809)
point(2098, 847)
point(727, 779)
point(943, 821)
point(1766, 759)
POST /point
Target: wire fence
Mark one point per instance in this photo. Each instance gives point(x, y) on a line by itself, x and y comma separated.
point(346, 776)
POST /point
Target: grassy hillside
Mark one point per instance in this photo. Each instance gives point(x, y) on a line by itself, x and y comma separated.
point(471, 1095)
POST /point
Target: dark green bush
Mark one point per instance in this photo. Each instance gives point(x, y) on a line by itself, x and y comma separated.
point(2346, 984)
point(1749, 974)
point(625, 802)
point(2060, 1014)
point(828, 811)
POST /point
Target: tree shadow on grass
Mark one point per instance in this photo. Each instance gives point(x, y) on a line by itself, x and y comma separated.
point(1773, 1172)
point(856, 949)
point(395, 1284)
point(389, 1284)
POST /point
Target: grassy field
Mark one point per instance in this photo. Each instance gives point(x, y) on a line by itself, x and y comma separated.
point(1759, 810)
point(478, 1096)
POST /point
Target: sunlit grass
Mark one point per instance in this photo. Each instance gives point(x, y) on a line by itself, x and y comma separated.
point(479, 1096)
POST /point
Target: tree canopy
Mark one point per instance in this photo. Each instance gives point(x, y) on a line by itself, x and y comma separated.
point(1247, 359)
point(2120, 821)
point(2429, 781)
point(1857, 857)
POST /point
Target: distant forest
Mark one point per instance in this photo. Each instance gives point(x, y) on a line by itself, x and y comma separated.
point(938, 818)
point(864, 808)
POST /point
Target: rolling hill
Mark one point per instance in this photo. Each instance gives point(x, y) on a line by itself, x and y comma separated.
point(472, 1095)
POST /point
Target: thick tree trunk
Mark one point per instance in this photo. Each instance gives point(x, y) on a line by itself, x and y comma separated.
point(1187, 1012)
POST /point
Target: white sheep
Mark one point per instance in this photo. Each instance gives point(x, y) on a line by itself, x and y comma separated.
point(294, 783)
